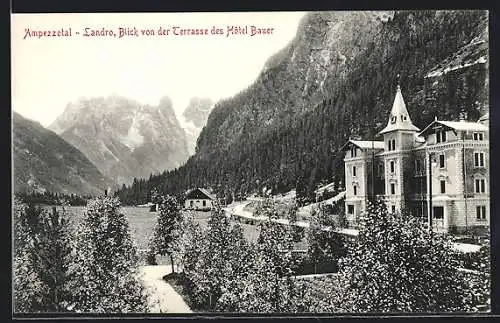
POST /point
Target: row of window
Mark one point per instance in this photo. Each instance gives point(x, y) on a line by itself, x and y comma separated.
point(192, 202)
point(441, 136)
point(480, 187)
point(480, 211)
point(419, 164)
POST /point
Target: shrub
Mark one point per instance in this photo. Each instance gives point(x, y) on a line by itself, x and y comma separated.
point(398, 265)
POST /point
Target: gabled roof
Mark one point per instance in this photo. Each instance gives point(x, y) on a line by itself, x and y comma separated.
point(399, 118)
point(199, 193)
point(365, 144)
point(455, 125)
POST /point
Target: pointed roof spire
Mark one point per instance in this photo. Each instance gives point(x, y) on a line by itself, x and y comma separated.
point(399, 118)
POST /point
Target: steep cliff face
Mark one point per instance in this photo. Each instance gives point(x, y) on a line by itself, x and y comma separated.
point(123, 138)
point(43, 161)
point(194, 118)
point(336, 80)
point(293, 79)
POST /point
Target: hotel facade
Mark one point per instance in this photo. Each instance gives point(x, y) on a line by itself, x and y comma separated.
point(445, 167)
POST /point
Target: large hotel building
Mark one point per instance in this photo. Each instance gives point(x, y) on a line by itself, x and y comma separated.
point(450, 156)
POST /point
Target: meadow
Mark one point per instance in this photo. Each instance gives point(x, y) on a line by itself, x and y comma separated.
point(142, 223)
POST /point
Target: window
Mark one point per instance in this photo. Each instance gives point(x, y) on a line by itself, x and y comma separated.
point(350, 209)
point(204, 203)
point(393, 188)
point(438, 212)
point(355, 189)
point(393, 144)
point(478, 159)
point(481, 212)
point(418, 165)
point(389, 145)
point(478, 136)
point(393, 208)
point(353, 152)
point(441, 161)
point(392, 166)
point(393, 119)
point(480, 185)
point(440, 136)
point(191, 203)
point(354, 171)
point(443, 187)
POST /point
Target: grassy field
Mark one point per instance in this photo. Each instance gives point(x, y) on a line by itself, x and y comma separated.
point(142, 222)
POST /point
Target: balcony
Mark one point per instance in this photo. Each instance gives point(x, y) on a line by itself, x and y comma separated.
point(419, 196)
point(420, 173)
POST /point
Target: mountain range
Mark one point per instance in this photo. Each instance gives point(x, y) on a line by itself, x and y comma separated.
point(123, 138)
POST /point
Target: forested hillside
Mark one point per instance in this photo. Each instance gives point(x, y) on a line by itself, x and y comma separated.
point(335, 80)
point(44, 162)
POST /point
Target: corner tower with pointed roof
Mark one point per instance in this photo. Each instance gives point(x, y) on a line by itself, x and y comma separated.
point(399, 139)
point(399, 118)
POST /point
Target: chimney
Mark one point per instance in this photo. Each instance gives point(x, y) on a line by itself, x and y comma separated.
point(462, 116)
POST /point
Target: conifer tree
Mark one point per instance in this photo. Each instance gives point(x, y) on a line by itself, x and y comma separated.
point(168, 228)
point(105, 276)
point(41, 259)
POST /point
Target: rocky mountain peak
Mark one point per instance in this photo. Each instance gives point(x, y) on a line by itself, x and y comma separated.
point(122, 137)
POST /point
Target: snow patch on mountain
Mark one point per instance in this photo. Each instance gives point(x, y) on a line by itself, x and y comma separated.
point(481, 60)
point(193, 119)
point(133, 139)
point(473, 53)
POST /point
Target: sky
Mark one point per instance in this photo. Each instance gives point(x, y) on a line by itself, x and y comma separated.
point(49, 72)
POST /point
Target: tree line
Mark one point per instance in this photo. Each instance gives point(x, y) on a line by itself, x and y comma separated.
point(53, 198)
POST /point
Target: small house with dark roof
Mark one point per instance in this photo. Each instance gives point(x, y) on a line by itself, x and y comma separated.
point(199, 199)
